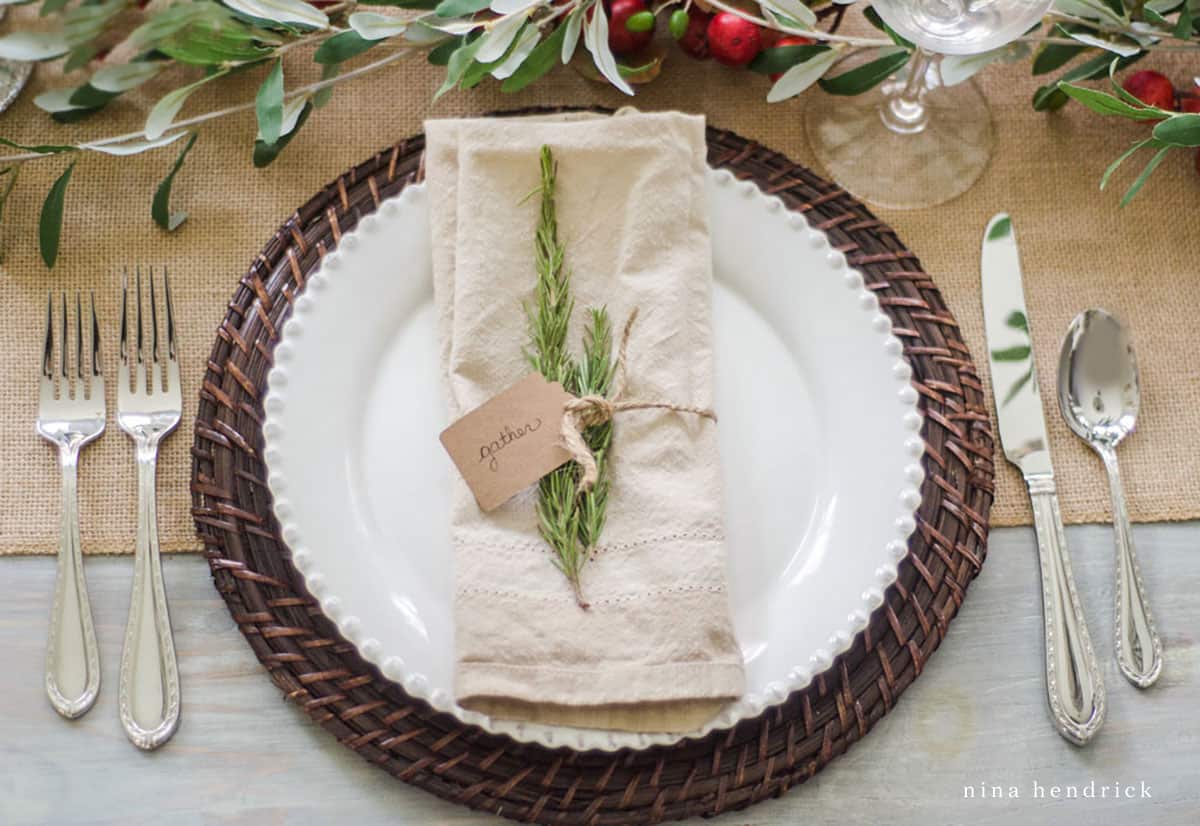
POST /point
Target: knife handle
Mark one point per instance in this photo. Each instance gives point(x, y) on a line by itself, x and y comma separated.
point(1073, 683)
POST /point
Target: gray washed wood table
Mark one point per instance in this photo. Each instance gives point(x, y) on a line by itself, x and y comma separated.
point(243, 755)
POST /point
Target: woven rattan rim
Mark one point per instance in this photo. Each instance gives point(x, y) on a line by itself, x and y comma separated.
point(755, 760)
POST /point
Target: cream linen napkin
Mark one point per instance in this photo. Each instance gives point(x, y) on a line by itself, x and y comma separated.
point(656, 650)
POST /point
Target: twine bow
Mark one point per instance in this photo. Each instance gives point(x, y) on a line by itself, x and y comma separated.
point(588, 411)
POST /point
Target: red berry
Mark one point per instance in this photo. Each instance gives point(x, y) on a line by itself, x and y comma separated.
point(790, 40)
point(1189, 103)
point(694, 41)
point(620, 39)
point(733, 40)
point(1151, 88)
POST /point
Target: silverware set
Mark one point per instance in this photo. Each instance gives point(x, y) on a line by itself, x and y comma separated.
point(1099, 397)
point(71, 414)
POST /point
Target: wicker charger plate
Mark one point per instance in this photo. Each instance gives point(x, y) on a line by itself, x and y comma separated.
point(726, 770)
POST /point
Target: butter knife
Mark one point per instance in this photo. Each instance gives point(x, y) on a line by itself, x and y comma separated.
point(1074, 686)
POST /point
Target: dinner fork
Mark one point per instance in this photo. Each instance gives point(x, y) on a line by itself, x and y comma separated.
point(149, 410)
point(70, 419)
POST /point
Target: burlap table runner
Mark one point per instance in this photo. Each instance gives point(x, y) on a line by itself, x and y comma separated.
point(1079, 250)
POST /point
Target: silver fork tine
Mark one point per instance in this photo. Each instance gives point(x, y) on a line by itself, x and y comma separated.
point(48, 347)
point(97, 361)
point(138, 271)
point(155, 381)
point(139, 384)
point(153, 319)
point(170, 317)
point(65, 390)
point(125, 322)
point(79, 385)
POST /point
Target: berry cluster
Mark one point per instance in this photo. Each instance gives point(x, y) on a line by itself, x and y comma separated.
point(1155, 89)
point(723, 36)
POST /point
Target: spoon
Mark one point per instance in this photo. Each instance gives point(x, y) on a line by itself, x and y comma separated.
point(1099, 397)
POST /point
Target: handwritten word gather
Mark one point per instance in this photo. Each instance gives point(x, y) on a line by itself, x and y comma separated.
point(490, 452)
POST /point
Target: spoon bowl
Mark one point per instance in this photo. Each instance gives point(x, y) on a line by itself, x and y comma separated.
point(1098, 390)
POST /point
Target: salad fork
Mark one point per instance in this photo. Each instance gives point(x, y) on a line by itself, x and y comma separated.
point(70, 418)
point(148, 410)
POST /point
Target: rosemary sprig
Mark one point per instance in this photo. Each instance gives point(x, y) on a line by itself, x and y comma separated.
point(569, 521)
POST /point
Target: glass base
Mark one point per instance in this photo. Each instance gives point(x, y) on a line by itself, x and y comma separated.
point(938, 161)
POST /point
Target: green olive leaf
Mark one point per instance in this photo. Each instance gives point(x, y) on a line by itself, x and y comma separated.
point(41, 149)
point(1117, 47)
point(781, 58)
point(50, 221)
point(132, 147)
point(875, 20)
point(88, 96)
point(439, 55)
point(25, 45)
point(459, 8)
point(125, 76)
point(8, 181)
point(1050, 96)
point(424, 5)
point(1126, 155)
point(573, 27)
point(163, 113)
point(1106, 104)
point(322, 96)
point(1141, 179)
point(265, 153)
point(457, 66)
point(521, 49)
point(79, 57)
point(285, 12)
point(1052, 56)
point(867, 76)
point(541, 60)
point(801, 76)
point(595, 40)
point(268, 104)
point(160, 207)
point(374, 26)
point(342, 47)
point(1179, 130)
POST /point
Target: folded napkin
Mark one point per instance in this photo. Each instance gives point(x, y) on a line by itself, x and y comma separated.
point(656, 650)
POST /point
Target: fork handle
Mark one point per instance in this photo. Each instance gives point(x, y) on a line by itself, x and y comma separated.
point(1074, 686)
point(149, 689)
point(72, 657)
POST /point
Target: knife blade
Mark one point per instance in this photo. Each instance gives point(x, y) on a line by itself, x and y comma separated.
point(1074, 688)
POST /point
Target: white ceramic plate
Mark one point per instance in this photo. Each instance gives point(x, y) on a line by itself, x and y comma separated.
point(819, 437)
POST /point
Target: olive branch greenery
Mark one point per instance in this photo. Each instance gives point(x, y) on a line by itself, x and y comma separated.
point(122, 46)
point(569, 520)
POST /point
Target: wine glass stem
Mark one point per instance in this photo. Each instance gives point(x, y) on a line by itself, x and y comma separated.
point(904, 110)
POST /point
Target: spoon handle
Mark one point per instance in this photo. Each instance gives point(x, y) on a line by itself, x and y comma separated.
point(1074, 686)
point(1138, 647)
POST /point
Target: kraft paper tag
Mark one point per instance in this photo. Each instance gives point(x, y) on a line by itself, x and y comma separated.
point(510, 441)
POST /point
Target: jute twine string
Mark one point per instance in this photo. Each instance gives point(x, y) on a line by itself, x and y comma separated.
point(591, 410)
